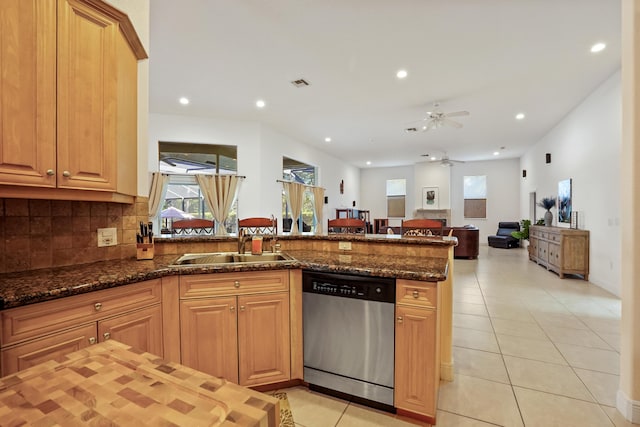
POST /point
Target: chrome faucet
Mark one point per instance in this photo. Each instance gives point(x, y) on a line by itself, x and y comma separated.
point(242, 240)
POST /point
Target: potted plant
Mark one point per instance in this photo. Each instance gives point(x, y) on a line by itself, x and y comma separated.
point(547, 203)
point(524, 233)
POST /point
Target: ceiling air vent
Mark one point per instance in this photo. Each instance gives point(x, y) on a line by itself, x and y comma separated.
point(300, 83)
point(411, 129)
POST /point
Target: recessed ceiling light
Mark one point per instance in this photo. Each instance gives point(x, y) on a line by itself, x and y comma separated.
point(433, 158)
point(184, 101)
point(598, 47)
point(327, 139)
point(368, 162)
point(496, 153)
point(520, 116)
point(401, 74)
point(260, 103)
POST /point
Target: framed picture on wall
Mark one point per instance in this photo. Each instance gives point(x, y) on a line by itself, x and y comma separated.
point(430, 198)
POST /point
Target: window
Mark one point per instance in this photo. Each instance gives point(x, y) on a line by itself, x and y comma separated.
point(475, 196)
point(396, 193)
point(295, 171)
point(181, 161)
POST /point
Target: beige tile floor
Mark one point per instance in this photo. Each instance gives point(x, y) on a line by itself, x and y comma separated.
point(529, 350)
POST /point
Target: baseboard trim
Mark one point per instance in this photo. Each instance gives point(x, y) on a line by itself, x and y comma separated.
point(446, 371)
point(629, 408)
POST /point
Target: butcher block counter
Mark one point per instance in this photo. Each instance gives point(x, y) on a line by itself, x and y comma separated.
point(111, 384)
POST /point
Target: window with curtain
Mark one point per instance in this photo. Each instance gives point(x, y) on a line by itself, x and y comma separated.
point(475, 196)
point(182, 161)
point(296, 171)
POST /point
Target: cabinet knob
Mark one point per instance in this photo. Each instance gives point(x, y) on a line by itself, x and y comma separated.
point(92, 340)
point(106, 335)
point(242, 308)
point(399, 319)
point(66, 174)
point(236, 284)
point(50, 172)
point(232, 308)
point(97, 306)
point(416, 294)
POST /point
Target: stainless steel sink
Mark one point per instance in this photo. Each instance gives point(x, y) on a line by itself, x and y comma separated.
point(215, 258)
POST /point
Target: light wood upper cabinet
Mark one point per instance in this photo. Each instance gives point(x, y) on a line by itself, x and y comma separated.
point(69, 102)
point(28, 92)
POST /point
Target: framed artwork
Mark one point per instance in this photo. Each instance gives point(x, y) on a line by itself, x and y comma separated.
point(430, 198)
point(564, 201)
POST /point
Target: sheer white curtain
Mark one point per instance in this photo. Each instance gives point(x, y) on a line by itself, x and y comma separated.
point(220, 191)
point(318, 201)
point(159, 182)
point(294, 193)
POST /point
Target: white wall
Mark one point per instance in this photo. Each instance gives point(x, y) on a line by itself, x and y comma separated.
point(429, 174)
point(374, 191)
point(503, 194)
point(585, 146)
point(260, 152)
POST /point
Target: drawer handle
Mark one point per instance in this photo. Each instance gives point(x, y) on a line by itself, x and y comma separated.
point(236, 284)
point(232, 308)
point(92, 340)
point(106, 335)
point(97, 306)
point(242, 308)
point(399, 319)
point(416, 294)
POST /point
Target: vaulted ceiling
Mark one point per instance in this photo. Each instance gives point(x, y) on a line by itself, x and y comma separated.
point(493, 58)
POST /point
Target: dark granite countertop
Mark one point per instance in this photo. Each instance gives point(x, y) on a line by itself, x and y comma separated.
point(22, 288)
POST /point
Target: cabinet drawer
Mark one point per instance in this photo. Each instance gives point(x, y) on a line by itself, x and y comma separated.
point(22, 323)
point(411, 292)
point(203, 285)
point(553, 237)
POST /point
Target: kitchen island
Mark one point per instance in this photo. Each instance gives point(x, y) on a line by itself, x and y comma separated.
point(112, 384)
point(188, 315)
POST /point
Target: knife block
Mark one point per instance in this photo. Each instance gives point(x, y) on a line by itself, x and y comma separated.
point(144, 251)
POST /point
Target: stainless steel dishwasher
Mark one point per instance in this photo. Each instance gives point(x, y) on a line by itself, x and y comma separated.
point(349, 336)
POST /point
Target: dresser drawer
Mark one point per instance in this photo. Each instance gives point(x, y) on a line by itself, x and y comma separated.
point(22, 323)
point(205, 285)
point(412, 292)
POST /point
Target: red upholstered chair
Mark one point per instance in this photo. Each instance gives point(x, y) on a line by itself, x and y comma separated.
point(258, 225)
point(192, 226)
point(422, 227)
point(346, 225)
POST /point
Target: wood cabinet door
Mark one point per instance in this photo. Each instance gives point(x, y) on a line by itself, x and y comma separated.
point(28, 92)
point(209, 336)
point(263, 338)
point(31, 353)
point(87, 97)
point(140, 329)
point(555, 255)
point(416, 378)
point(543, 252)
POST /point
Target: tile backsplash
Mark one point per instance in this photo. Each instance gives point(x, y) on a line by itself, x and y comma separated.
point(51, 233)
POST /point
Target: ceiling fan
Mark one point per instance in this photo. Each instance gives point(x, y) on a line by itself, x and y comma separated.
point(445, 161)
point(437, 118)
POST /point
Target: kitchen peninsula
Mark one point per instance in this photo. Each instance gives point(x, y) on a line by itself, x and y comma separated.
point(169, 299)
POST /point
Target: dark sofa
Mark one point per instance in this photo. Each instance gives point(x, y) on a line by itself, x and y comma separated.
point(503, 237)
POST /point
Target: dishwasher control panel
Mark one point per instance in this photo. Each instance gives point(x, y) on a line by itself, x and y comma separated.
point(349, 286)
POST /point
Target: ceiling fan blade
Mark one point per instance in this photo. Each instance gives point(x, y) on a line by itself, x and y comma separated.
point(457, 114)
point(452, 123)
point(456, 161)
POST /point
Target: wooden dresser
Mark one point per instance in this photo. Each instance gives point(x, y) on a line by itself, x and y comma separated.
point(563, 250)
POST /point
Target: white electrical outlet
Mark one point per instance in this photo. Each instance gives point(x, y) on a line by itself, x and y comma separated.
point(107, 237)
point(345, 246)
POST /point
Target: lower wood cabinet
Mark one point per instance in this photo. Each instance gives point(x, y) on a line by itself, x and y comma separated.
point(243, 337)
point(417, 354)
point(36, 333)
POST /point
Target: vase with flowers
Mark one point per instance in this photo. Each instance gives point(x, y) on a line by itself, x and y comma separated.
point(547, 203)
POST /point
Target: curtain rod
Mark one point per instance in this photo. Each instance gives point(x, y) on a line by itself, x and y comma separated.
point(192, 174)
point(293, 182)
